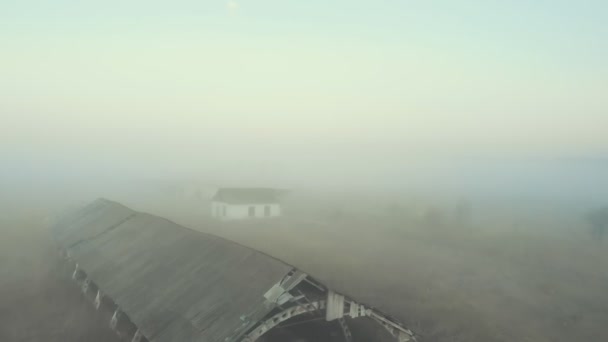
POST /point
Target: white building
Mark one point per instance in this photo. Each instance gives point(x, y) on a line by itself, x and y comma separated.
point(245, 203)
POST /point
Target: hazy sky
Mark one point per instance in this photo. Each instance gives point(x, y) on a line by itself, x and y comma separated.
point(195, 84)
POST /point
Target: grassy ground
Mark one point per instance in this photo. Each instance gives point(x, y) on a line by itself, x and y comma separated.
point(38, 302)
point(471, 287)
point(477, 285)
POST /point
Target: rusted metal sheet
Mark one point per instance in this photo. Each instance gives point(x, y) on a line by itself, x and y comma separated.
point(173, 283)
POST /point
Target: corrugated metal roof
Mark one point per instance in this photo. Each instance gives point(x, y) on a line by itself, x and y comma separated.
point(175, 284)
point(246, 195)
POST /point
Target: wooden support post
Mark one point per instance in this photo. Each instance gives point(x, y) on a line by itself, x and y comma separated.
point(356, 310)
point(115, 320)
point(78, 275)
point(335, 306)
point(75, 274)
point(98, 299)
point(137, 337)
point(85, 285)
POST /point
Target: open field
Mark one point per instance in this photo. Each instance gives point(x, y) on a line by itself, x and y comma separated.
point(465, 289)
point(530, 278)
point(519, 282)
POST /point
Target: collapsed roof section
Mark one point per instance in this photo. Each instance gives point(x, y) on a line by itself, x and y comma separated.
point(177, 284)
point(170, 281)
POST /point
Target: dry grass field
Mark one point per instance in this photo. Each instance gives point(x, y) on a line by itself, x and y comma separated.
point(447, 284)
point(536, 280)
point(476, 289)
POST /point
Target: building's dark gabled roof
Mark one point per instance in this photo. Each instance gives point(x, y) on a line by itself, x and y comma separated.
point(247, 195)
point(175, 284)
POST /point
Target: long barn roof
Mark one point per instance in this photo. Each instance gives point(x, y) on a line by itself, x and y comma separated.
point(174, 283)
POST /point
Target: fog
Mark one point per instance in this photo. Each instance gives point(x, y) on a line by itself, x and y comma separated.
point(446, 143)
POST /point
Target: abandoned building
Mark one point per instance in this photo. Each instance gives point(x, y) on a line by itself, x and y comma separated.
point(160, 282)
point(245, 203)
